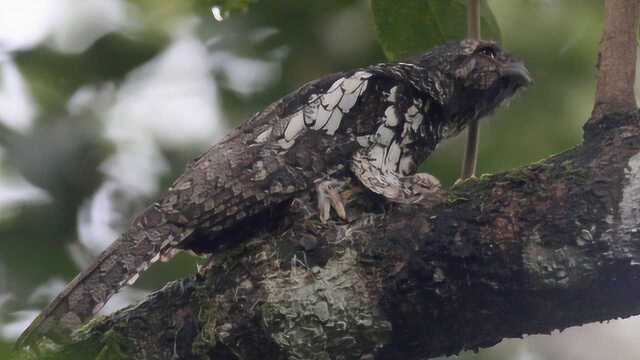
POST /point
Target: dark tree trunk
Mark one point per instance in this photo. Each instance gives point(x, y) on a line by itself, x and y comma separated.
point(547, 246)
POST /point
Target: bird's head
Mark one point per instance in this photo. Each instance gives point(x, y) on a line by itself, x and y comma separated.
point(470, 78)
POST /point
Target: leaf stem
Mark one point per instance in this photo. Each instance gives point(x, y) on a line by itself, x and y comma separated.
point(473, 19)
point(473, 132)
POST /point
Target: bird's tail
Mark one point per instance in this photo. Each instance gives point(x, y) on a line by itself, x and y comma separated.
point(148, 236)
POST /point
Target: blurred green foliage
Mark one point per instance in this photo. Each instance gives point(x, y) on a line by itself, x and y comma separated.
point(63, 151)
point(108, 59)
point(414, 26)
point(232, 5)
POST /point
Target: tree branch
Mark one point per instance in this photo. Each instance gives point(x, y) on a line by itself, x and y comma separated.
point(551, 245)
point(617, 58)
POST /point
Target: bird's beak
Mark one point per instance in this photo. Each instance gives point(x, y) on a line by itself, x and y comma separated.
point(518, 73)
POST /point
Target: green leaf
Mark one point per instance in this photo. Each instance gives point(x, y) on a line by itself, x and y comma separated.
point(410, 27)
point(489, 25)
point(53, 77)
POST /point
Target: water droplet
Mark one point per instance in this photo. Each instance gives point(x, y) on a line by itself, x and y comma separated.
point(217, 13)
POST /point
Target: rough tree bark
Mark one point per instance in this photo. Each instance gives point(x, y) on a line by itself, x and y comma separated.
point(547, 246)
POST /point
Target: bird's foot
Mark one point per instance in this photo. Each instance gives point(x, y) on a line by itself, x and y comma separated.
point(419, 188)
point(329, 197)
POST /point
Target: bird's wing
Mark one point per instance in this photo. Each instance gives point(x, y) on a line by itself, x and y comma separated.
point(249, 172)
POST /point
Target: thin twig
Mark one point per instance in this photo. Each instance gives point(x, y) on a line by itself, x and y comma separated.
point(473, 132)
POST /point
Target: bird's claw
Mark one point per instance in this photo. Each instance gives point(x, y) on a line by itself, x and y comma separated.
point(421, 188)
point(329, 197)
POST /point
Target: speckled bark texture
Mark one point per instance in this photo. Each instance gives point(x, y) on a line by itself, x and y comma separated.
point(547, 246)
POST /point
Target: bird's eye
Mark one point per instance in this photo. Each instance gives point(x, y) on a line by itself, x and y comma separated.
point(488, 52)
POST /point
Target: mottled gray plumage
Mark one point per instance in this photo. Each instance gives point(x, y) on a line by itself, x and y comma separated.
point(376, 123)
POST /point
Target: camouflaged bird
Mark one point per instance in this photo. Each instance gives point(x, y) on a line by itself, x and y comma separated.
point(375, 124)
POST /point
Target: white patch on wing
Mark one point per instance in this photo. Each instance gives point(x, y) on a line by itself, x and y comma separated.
point(387, 155)
point(408, 64)
point(377, 155)
point(391, 119)
point(264, 135)
point(334, 122)
point(325, 111)
point(414, 117)
point(331, 99)
point(384, 135)
point(356, 82)
point(364, 74)
point(132, 279)
point(294, 127)
point(335, 85)
point(322, 117)
point(314, 97)
point(347, 102)
point(387, 151)
point(352, 84)
point(393, 157)
point(393, 94)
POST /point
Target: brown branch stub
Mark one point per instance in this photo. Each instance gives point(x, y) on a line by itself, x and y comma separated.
point(617, 58)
